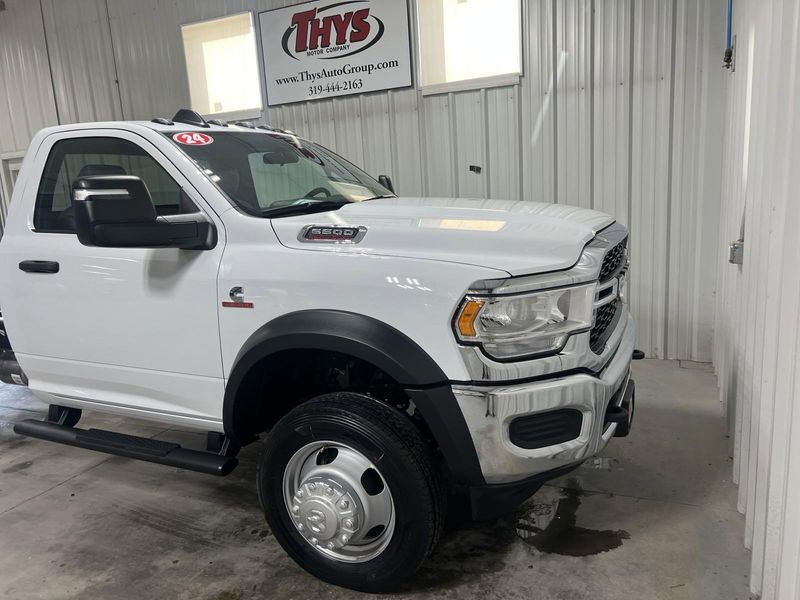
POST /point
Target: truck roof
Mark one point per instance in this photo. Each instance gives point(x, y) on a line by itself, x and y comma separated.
point(178, 126)
point(168, 126)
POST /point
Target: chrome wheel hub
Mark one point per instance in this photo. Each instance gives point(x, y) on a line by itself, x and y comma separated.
point(339, 501)
point(325, 512)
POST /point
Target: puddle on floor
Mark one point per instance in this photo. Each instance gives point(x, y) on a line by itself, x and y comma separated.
point(551, 528)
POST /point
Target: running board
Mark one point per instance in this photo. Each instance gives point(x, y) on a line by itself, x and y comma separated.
point(129, 446)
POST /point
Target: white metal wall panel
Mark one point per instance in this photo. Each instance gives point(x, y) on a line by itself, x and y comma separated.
point(611, 108)
point(82, 60)
point(541, 66)
point(348, 128)
point(26, 90)
point(756, 348)
point(574, 102)
point(685, 169)
point(469, 121)
point(439, 168)
point(503, 143)
point(650, 135)
point(696, 176)
point(612, 111)
point(321, 126)
point(149, 50)
point(377, 134)
point(408, 152)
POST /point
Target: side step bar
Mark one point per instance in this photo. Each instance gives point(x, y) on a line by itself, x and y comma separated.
point(129, 446)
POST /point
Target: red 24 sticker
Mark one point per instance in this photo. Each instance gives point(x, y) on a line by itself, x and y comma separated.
point(193, 138)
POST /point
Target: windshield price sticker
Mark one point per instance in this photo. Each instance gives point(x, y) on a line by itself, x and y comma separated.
point(193, 138)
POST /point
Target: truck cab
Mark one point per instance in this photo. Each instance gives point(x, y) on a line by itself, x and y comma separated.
point(385, 350)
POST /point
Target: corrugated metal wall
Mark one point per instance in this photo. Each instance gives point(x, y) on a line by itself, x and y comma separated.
point(619, 109)
point(26, 89)
point(756, 349)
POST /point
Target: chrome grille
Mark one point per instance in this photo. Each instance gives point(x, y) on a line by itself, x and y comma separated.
point(613, 260)
point(607, 303)
point(604, 318)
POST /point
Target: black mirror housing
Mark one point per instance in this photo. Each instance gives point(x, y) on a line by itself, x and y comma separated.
point(117, 211)
point(386, 182)
point(113, 199)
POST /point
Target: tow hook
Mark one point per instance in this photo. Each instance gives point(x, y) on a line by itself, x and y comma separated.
point(622, 413)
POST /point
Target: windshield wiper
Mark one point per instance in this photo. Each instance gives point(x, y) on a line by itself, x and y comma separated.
point(379, 197)
point(304, 208)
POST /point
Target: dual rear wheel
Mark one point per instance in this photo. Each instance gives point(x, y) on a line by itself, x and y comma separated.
point(349, 489)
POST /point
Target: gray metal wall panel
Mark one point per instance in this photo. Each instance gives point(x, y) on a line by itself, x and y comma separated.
point(26, 90)
point(348, 128)
point(541, 67)
point(80, 50)
point(503, 143)
point(376, 132)
point(321, 126)
point(696, 176)
point(611, 107)
point(574, 101)
point(408, 152)
point(469, 123)
point(650, 137)
point(439, 168)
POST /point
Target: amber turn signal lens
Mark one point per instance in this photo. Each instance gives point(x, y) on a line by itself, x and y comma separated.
point(467, 316)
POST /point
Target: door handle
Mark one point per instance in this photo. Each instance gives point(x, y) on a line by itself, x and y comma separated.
point(39, 266)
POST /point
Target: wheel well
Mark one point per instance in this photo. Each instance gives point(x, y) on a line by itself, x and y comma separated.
point(277, 383)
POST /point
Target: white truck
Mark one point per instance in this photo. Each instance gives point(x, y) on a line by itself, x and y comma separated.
point(253, 285)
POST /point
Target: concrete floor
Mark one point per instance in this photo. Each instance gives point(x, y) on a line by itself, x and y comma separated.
point(657, 508)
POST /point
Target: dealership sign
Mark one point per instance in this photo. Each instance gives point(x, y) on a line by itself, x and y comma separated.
point(326, 48)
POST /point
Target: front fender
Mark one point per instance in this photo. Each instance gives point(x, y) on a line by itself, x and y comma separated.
point(379, 344)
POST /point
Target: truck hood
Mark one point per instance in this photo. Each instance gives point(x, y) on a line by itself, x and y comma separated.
point(520, 238)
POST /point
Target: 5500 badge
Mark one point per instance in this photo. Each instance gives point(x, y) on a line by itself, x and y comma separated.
point(332, 234)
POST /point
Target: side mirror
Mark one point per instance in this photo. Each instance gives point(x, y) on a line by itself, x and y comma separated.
point(386, 182)
point(116, 211)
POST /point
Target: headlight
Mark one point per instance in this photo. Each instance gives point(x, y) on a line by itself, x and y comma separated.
point(525, 325)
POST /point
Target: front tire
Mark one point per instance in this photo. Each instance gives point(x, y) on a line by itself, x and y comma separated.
point(348, 488)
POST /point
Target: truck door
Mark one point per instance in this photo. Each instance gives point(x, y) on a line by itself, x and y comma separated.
point(133, 330)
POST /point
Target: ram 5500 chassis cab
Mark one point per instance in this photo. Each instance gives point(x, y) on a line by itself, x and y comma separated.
point(388, 352)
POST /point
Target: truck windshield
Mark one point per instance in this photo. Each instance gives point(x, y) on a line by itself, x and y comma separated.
point(272, 175)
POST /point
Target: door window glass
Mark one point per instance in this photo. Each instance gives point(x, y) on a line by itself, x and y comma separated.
point(81, 157)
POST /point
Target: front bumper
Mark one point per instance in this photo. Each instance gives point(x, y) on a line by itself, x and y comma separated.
point(489, 411)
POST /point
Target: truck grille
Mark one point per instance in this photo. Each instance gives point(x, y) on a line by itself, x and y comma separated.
point(613, 260)
point(607, 312)
point(605, 318)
